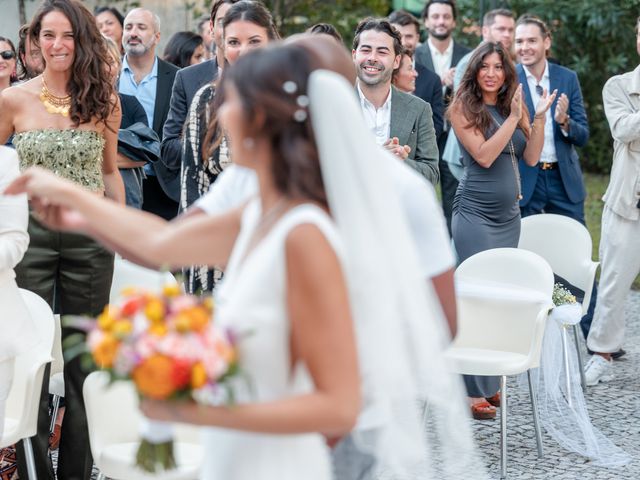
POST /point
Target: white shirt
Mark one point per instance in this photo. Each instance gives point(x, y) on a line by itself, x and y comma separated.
point(441, 61)
point(235, 185)
point(548, 154)
point(378, 120)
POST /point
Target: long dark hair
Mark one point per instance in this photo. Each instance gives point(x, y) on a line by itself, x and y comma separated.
point(468, 97)
point(180, 48)
point(261, 79)
point(92, 94)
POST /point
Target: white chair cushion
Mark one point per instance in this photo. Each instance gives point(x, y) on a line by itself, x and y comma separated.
point(475, 361)
point(117, 461)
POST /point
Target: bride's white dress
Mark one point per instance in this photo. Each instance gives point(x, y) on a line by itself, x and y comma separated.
point(252, 301)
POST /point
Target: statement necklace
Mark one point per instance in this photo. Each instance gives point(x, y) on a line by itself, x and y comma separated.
point(54, 104)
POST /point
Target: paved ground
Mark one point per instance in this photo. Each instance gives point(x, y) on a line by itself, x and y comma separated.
point(613, 406)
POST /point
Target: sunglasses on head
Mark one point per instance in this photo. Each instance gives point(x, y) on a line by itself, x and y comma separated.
point(7, 55)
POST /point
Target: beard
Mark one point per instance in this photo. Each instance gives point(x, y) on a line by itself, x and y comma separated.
point(440, 36)
point(383, 76)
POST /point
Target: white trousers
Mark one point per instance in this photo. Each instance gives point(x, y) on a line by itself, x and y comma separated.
point(6, 379)
point(620, 264)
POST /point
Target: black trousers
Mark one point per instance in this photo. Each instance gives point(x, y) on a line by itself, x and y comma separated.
point(73, 274)
point(155, 201)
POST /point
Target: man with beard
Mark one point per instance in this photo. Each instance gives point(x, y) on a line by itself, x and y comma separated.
point(149, 79)
point(29, 55)
point(440, 53)
point(428, 86)
point(401, 123)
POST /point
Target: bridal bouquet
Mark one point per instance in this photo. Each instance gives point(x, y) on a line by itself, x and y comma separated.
point(170, 348)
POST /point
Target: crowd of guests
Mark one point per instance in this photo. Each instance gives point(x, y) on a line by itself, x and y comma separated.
point(496, 127)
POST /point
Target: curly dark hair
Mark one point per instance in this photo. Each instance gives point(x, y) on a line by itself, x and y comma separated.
point(468, 97)
point(259, 77)
point(92, 93)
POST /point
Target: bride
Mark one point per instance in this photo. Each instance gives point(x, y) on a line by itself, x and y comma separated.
point(324, 248)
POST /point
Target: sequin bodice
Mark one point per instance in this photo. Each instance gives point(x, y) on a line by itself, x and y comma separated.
point(72, 154)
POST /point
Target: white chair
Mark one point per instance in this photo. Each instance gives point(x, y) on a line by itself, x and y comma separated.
point(56, 378)
point(566, 245)
point(21, 414)
point(128, 274)
point(500, 332)
point(113, 420)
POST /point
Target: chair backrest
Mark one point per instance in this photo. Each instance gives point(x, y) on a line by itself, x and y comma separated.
point(510, 323)
point(23, 401)
point(565, 244)
point(128, 274)
point(57, 365)
point(113, 416)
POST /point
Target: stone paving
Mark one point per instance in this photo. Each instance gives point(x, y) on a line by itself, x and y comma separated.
point(614, 407)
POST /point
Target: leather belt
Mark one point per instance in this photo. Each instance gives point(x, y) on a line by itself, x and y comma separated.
point(548, 166)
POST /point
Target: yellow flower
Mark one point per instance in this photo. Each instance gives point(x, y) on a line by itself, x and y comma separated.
point(154, 310)
point(159, 329)
point(171, 290)
point(198, 375)
point(209, 304)
point(122, 328)
point(105, 353)
point(106, 319)
point(128, 291)
point(183, 322)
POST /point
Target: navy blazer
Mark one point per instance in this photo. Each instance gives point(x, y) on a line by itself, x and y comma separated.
point(423, 57)
point(565, 81)
point(429, 89)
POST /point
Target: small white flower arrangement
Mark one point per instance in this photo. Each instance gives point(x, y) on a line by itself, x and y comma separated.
point(562, 296)
point(567, 310)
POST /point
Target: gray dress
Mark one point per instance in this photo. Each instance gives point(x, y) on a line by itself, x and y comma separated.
point(486, 215)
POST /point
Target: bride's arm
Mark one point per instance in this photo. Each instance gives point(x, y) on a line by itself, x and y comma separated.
point(198, 240)
point(322, 338)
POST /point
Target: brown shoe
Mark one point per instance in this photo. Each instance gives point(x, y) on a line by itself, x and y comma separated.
point(483, 411)
point(496, 400)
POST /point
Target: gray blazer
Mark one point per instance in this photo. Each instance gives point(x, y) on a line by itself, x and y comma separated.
point(412, 123)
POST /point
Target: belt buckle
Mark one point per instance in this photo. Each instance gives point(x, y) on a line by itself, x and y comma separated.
point(547, 166)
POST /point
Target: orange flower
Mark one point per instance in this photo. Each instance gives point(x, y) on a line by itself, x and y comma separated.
point(181, 373)
point(154, 377)
point(198, 375)
point(199, 317)
point(105, 352)
point(131, 305)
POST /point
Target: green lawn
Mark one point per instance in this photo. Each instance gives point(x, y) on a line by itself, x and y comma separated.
point(596, 184)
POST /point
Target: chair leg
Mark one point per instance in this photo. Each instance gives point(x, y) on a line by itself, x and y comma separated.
point(31, 463)
point(101, 476)
point(536, 420)
point(567, 371)
point(503, 427)
point(576, 338)
point(54, 412)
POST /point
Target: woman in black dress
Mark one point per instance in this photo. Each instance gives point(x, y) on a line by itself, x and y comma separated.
point(492, 125)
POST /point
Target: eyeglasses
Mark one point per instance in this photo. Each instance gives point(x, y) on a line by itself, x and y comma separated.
point(539, 90)
point(7, 55)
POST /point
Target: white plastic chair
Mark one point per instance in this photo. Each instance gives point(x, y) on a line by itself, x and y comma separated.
point(114, 419)
point(500, 333)
point(128, 274)
point(566, 245)
point(21, 414)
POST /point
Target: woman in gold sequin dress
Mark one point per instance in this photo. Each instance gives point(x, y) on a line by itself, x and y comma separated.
point(66, 120)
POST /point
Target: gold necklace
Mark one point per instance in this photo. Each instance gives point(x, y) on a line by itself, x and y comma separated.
point(54, 104)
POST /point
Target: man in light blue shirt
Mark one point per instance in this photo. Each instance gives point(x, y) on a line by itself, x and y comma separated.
point(150, 80)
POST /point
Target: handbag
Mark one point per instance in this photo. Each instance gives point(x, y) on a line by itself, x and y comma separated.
point(139, 142)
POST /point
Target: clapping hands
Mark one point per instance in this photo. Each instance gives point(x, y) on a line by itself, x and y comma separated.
point(393, 145)
point(545, 102)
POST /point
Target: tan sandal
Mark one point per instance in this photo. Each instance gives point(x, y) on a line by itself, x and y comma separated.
point(496, 400)
point(483, 411)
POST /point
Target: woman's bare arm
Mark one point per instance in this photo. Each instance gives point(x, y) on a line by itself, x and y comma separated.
point(322, 337)
point(198, 240)
point(114, 187)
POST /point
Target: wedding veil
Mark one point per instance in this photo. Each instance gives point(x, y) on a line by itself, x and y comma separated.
point(415, 420)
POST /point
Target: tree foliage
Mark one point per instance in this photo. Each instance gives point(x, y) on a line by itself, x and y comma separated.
point(294, 16)
point(596, 38)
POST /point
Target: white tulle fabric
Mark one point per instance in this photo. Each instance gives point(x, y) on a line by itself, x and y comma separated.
point(414, 409)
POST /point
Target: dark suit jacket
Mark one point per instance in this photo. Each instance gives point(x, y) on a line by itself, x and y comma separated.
point(423, 57)
point(412, 123)
point(132, 111)
point(429, 89)
point(188, 81)
point(565, 81)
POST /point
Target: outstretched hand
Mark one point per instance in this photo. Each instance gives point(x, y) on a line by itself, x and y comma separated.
point(51, 198)
point(517, 102)
point(545, 102)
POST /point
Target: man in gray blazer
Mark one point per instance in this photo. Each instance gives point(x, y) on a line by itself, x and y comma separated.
point(401, 123)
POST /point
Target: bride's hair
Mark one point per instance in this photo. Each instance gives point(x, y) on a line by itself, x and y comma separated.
point(273, 82)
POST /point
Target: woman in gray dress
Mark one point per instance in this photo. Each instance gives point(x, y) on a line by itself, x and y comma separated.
point(491, 122)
